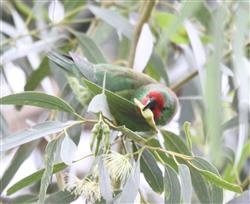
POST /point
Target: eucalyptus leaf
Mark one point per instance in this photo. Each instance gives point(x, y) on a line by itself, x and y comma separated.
point(186, 183)
point(15, 53)
point(20, 156)
point(91, 51)
point(37, 99)
point(35, 177)
point(156, 68)
point(186, 128)
point(72, 7)
point(98, 104)
point(164, 20)
point(68, 150)
point(34, 133)
point(144, 48)
point(50, 154)
point(244, 156)
point(114, 19)
point(211, 173)
point(151, 171)
point(161, 156)
point(24, 8)
point(174, 143)
point(172, 187)
point(131, 134)
point(195, 41)
point(125, 112)
point(63, 197)
point(202, 188)
point(35, 78)
point(24, 199)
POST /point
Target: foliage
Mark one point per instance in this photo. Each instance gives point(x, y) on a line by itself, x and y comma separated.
point(199, 49)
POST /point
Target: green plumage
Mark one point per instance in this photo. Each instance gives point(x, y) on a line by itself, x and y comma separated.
point(124, 81)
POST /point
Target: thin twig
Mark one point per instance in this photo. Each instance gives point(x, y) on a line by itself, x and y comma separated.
point(178, 85)
point(175, 87)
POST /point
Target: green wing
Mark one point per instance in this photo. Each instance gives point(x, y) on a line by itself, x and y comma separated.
point(118, 78)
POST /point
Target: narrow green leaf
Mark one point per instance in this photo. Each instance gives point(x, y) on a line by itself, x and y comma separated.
point(102, 33)
point(212, 87)
point(201, 166)
point(186, 11)
point(91, 51)
point(118, 22)
point(20, 156)
point(205, 168)
point(38, 75)
point(161, 156)
point(37, 99)
point(24, 9)
point(201, 187)
point(70, 5)
point(35, 177)
point(24, 199)
point(186, 183)
point(125, 112)
point(156, 67)
point(233, 122)
point(131, 134)
point(62, 197)
point(245, 155)
point(151, 171)
point(205, 190)
point(186, 128)
point(50, 154)
point(172, 187)
point(164, 20)
point(174, 143)
point(34, 133)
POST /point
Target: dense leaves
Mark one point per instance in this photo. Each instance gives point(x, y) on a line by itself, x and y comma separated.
point(172, 42)
point(37, 99)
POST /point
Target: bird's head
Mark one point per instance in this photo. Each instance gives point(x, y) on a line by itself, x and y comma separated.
point(160, 100)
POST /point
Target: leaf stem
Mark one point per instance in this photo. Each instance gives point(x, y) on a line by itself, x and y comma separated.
point(89, 155)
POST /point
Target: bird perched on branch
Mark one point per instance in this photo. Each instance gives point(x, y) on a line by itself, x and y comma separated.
point(126, 82)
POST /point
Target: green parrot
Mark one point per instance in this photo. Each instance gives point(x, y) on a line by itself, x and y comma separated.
point(126, 82)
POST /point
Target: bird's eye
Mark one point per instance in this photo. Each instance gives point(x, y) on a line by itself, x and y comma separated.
point(151, 104)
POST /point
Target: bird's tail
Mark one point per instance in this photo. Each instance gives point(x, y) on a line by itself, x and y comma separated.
point(73, 64)
point(63, 61)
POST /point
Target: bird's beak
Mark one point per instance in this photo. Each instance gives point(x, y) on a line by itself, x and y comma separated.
point(150, 104)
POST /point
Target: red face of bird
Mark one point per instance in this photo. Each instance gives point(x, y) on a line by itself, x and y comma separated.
point(155, 102)
point(160, 100)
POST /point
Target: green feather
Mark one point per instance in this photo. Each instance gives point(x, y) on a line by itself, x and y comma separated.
point(122, 80)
